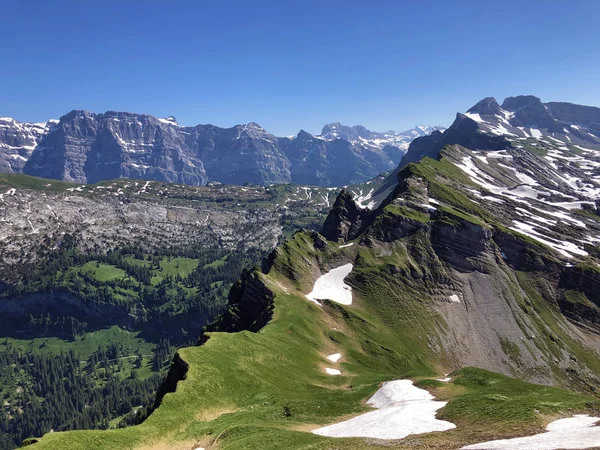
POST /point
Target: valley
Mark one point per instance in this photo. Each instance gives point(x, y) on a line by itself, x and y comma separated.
point(125, 268)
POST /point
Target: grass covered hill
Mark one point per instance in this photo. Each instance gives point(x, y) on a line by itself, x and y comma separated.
point(440, 286)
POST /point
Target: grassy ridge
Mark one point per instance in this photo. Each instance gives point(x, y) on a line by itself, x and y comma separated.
point(265, 390)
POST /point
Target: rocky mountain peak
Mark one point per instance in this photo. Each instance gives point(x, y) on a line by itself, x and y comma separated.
point(522, 101)
point(304, 135)
point(488, 105)
point(345, 218)
point(330, 128)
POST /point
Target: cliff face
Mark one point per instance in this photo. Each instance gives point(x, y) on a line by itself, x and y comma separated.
point(345, 220)
point(84, 147)
point(250, 306)
point(87, 148)
point(17, 142)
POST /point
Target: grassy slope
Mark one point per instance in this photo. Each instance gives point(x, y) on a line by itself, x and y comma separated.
point(265, 390)
point(21, 181)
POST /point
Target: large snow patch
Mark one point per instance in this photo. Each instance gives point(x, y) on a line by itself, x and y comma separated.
point(402, 410)
point(576, 432)
point(331, 286)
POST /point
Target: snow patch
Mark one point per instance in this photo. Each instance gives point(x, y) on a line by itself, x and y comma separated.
point(476, 117)
point(331, 286)
point(402, 410)
point(576, 432)
point(332, 371)
point(364, 201)
point(335, 357)
point(454, 298)
point(535, 133)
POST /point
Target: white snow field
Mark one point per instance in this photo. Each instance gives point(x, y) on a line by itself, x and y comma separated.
point(332, 371)
point(402, 410)
point(576, 432)
point(331, 286)
point(335, 357)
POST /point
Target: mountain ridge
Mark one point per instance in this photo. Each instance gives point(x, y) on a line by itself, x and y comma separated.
point(487, 125)
point(480, 265)
point(87, 147)
point(441, 286)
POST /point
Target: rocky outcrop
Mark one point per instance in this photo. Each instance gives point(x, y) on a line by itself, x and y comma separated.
point(250, 306)
point(521, 254)
point(488, 105)
point(584, 278)
point(345, 220)
point(583, 116)
point(462, 244)
point(177, 372)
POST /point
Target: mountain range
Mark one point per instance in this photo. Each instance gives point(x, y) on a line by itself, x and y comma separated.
point(471, 272)
point(84, 147)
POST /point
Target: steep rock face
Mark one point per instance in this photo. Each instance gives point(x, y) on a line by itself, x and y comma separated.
point(488, 105)
point(250, 306)
point(177, 372)
point(84, 147)
point(308, 156)
point(336, 162)
point(345, 220)
point(241, 154)
point(462, 243)
point(585, 279)
point(87, 148)
point(523, 255)
point(17, 142)
point(464, 131)
point(580, 299)
point(529, 111)
point(583, 116)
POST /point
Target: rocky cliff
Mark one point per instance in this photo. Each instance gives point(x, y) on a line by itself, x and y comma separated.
point(84, 147)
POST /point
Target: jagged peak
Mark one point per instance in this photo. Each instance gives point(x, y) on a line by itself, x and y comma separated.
point(344, 219)
point(488, 105)
point(303, 134)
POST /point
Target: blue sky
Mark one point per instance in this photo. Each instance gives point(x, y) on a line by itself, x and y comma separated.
point(293, 64)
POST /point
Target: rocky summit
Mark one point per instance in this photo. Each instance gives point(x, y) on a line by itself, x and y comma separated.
point(84, 147)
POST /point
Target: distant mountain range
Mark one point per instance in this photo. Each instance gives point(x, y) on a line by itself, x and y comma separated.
point(84, 147)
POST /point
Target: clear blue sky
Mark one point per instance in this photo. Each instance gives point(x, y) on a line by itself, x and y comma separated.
point(293, 64)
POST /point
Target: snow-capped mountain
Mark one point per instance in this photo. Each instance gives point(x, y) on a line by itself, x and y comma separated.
point(358, 134)
point(18, 140)
point(534, 167)
point(85, 147)
point(527, 117)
